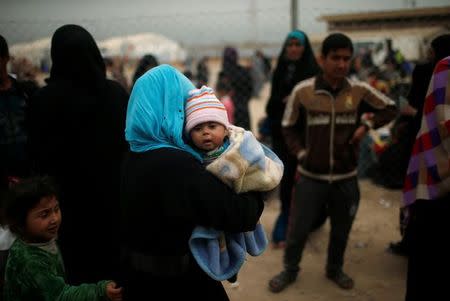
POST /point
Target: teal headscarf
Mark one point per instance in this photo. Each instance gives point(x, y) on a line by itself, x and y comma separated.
point(297, 34)
point(155, 114)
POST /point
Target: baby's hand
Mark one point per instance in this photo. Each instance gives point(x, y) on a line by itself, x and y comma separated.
point(112, 292)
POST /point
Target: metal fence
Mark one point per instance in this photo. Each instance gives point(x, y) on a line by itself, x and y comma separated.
point(199, 34)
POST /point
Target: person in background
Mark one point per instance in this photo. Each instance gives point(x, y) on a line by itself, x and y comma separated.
point(15, 92)
point(439, 49)
point(167, 192)
point(323, 130)
point(25, 73)
point(77, 125)
point(378, 83)
point(14, 157)
point(202, 75)
point(14, 101)
point(240, 81)
point(223, 91)
point(258, 72)
point(146, 63)
point(426, 193)
point(115, 71)
point(296, 62)
point(35, 269)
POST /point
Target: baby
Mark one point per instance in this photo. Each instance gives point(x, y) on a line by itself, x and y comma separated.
point(236, 157)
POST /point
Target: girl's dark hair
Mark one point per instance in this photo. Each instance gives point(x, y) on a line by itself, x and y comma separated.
point(24, 196)
point(336, 41)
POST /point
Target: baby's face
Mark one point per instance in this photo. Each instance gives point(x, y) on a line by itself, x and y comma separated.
point(208, 136)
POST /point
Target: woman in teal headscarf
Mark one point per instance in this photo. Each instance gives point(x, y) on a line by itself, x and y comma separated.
point(166, 192)
point(296, 62)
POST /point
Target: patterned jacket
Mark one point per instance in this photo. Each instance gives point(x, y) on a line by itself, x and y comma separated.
point(428, 175)
point(247, 165)
point(318, 125)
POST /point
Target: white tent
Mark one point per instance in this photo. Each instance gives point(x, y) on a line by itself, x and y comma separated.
point(138, 45)
point(35, 51)
point(134, 46)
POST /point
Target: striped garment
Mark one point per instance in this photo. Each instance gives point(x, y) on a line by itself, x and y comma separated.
point(202, 99)
point(428, 175)
point(203, 106)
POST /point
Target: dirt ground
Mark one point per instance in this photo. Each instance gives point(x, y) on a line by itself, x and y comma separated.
point(378, 275)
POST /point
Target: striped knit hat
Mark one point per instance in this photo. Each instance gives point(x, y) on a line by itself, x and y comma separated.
point(203, 106)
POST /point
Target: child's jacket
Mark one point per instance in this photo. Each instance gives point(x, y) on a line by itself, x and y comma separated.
point(36, 274)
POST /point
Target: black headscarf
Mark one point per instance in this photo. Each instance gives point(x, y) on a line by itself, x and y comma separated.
point(240, 81)
point(230, 58)
point(146, 63)
point(441, 47)
point(4, 50)
point(77, 125)
point(419, 85)
point(76, 57)
point(288, 73)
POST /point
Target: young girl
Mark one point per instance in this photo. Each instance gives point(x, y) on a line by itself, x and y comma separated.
point(239, 160)
point(34, 269)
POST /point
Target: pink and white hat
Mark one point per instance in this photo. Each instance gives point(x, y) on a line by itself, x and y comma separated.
point(203, 106)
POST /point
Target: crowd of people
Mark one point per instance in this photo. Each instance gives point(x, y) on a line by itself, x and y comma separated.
point(114, 190)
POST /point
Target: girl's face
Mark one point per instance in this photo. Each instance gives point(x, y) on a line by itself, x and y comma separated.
point(294, 50)
point(43, 221)
point(208, 136)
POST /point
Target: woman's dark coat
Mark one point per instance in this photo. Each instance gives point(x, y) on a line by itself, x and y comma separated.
point(77, 127)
